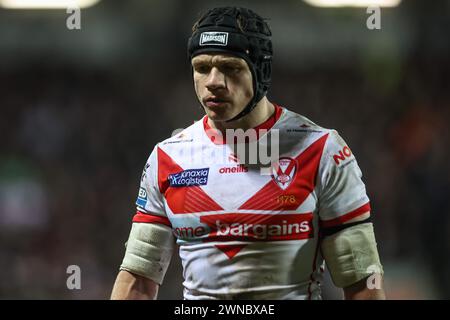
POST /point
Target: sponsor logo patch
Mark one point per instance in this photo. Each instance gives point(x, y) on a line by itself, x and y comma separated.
point(142, 198)
point(248, 227)
point(214, 38)
point(189, 178)
point(343, 154)
point(258, 227)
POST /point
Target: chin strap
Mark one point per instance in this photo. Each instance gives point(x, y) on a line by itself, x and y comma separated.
point(249, 108)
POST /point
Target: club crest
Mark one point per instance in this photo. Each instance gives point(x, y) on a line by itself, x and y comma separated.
point(283, 172)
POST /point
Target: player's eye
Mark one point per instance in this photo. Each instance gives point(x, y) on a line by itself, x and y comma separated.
point(230, 69)
point(202, 68)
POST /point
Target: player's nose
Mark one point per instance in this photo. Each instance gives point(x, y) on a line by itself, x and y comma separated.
point(215, 80)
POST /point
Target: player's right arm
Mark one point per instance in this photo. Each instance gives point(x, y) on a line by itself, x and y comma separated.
point(148, 253)
point(130, 286)
point(150, 243)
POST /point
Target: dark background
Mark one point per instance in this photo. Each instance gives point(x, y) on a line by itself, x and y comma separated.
point(80, 111)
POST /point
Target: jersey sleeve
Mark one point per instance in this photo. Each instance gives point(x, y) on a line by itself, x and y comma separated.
point(342, 192)
point(150, 201)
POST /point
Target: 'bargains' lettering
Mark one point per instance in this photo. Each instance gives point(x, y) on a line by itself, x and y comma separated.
point(259, 227)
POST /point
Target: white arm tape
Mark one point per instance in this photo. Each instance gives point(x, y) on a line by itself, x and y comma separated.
point(351, 254)
point(149, 250)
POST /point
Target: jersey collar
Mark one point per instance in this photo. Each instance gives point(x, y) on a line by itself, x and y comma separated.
point(217, 138)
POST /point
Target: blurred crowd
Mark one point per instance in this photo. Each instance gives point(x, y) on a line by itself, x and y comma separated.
point(74, 142)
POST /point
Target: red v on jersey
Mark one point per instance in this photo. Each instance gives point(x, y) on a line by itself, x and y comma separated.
point(230, 249)
point(226, 226)
point(194, 199)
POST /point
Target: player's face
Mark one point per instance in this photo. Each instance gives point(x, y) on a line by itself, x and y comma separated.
point(223, 84)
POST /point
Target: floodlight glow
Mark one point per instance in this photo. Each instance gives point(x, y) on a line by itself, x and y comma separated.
point(353, 3)
point(46, 4)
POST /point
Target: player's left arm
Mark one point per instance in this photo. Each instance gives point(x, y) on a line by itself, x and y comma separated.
point(360, 291)
point(370, 287)
point(352, 257)
point(348, 242)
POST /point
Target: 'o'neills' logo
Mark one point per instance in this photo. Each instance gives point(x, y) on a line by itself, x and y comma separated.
point(235, 169)
point(283, 172)
point(258, 227)
point(214, 38)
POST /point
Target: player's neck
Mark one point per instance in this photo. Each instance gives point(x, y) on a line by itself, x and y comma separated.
point(261, 113)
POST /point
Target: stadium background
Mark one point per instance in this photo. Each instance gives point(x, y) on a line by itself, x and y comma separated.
point(81, 110)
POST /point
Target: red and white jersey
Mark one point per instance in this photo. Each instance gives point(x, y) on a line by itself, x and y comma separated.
point(243, 234)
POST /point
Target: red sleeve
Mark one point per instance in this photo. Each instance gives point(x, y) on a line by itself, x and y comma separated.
point(142, 217)
point(345, 217)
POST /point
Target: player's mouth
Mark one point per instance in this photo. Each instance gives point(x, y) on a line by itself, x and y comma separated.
point(214, 102)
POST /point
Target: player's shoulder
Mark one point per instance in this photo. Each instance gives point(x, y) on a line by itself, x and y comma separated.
point(293, 122)
point(182, 137)
point(297, 123)
point(174, 145)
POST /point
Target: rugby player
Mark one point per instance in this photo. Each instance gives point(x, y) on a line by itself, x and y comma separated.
point(246, 233)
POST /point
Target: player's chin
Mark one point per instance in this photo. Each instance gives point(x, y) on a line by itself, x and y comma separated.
point(222, 113)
